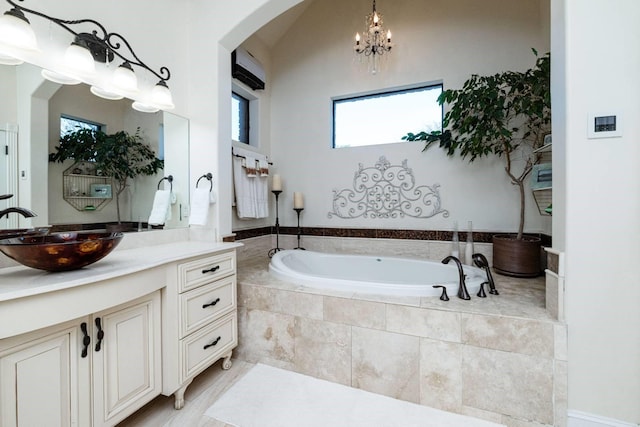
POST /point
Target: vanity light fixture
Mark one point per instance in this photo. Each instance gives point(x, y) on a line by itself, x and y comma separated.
point(374, 42)
point(95, 44)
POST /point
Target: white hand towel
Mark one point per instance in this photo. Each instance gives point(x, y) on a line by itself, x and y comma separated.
point(199, 207)
point(160, 208)
point(251, 166)
point(263, 166)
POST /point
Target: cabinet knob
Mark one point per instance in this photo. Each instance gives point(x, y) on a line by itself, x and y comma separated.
point(212, 303)
point(212, 344)
point(211, 270)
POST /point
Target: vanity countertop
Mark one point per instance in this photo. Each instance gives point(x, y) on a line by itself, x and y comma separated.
point(20, 282)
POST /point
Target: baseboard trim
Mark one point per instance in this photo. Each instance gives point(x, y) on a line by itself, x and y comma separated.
point(583, 419)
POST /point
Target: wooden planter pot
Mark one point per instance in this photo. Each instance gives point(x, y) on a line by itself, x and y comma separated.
point(518, 258)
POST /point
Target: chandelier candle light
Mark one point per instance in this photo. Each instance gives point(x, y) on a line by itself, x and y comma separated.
point(90, 46)
point(375, 41)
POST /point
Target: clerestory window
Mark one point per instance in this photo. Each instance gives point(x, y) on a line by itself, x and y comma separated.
point(385, 117)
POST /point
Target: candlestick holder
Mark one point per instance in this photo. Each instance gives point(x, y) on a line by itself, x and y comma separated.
point(273, 251)
point(298, 210)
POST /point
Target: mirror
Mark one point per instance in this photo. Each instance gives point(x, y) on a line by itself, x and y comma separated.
point(167, 134)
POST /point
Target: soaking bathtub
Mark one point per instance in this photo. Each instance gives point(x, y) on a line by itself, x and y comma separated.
point(372, 274)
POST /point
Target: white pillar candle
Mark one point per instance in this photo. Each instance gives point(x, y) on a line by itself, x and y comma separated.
point(298, 202)
point(277, 183)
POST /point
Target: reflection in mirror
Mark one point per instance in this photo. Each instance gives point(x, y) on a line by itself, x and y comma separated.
point(162, 131)
point(166, 133)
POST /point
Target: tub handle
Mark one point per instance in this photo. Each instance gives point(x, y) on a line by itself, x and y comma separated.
point(212, 303)
point(211, 270)
point(444, 296)
point(481, 293)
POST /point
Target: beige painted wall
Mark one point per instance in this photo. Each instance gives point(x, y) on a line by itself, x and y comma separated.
point(438, 41)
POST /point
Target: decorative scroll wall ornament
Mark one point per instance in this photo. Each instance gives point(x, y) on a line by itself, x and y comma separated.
point(386, 191)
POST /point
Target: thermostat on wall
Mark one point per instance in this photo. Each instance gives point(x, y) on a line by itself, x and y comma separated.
point(604, 125)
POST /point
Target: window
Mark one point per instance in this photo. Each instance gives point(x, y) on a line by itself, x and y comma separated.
point(239, 118)
point(72, 124)
point(383, 118)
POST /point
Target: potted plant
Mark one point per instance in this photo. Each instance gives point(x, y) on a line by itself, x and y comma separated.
point(121, 155)
point(501, 114)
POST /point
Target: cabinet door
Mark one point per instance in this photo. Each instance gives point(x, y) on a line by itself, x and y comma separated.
point(126, 359)
point(39, 379)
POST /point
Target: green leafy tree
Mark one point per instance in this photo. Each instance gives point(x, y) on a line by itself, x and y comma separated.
point(498, 115)
point(121, 155)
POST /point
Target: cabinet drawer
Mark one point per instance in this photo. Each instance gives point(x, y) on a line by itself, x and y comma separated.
point(201, 306)
point(204, 270)
point(207, 345)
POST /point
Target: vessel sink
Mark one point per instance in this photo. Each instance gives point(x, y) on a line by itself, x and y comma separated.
point(60, 251)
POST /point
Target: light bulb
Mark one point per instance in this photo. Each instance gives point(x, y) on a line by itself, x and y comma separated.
point(124, 78)
point(78, 59)
point(15, 31)
point(161, 96)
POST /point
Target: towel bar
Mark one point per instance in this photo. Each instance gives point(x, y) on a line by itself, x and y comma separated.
point(168, 178)
point(243, 157)
point(209, 177)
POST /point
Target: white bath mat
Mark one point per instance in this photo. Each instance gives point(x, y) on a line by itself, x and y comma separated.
point(272, 397)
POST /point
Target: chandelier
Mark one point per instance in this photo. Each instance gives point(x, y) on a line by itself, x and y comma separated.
point(375, 42)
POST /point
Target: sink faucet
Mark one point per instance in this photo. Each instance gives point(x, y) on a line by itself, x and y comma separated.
point(22, 211)
point(462, 288)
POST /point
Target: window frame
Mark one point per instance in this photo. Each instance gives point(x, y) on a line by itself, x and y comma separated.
point(98, 126)
point(376, 94)
point(244, 119)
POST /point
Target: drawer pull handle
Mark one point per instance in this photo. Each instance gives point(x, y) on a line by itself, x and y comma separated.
point(212, 344)
point(86, 339)
point(211, 270)
point(211, 304)
point(100, 333)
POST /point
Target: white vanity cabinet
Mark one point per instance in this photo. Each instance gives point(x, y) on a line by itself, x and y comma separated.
point(200, 323)
point(95, 370)
point(159, 315)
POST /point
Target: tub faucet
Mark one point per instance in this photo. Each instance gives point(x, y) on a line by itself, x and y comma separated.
point(22, 211)
point(462, 288)
point(480, 261)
